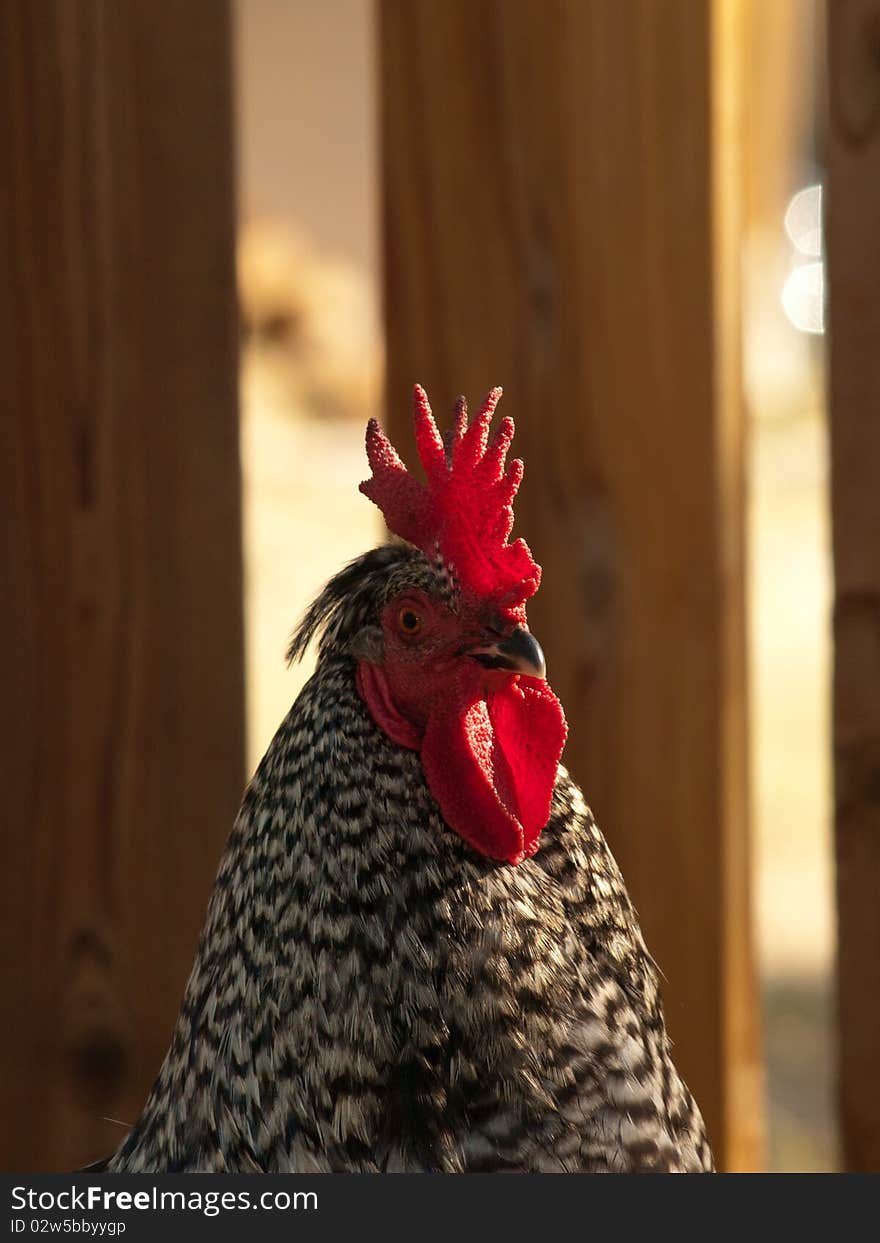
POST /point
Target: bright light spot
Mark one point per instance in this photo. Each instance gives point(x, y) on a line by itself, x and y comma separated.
point(803, 220)
point(803, 297)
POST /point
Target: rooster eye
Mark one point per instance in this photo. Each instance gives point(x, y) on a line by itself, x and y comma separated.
point(409, 621)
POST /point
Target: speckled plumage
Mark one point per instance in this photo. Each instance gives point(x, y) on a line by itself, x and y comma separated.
point(370, 994)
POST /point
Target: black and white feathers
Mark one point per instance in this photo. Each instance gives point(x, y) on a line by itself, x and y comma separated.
point(371, 995)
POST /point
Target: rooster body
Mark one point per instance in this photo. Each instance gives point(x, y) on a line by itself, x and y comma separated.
point(372, 992)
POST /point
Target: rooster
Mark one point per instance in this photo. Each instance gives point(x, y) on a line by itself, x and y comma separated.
point(419, 953)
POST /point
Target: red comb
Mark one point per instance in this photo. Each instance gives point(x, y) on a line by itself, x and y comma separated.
point(465, 510)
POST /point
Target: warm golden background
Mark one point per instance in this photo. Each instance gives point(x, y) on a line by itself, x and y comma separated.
point(615, 209)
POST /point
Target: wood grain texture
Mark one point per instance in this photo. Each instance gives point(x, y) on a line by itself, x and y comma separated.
point(561, 216)
point(853, 235)
point(122, 734)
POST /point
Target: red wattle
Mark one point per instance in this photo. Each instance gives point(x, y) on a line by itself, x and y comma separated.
point(490, 760)
point(489, 756)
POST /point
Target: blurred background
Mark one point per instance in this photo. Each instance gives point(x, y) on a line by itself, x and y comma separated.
point(401, 207)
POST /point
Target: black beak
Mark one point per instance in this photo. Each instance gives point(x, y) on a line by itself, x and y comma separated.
point(520, 652)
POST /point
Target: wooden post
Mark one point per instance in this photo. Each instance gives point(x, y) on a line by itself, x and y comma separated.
point(854, 313)
point(561, 216)
point(122, 736)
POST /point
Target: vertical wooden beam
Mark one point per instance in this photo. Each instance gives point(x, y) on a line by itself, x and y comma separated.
point(853, 219)
point(561, 215)
point(122, 734)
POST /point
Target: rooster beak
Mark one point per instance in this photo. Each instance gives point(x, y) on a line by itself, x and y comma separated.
point(520, 652)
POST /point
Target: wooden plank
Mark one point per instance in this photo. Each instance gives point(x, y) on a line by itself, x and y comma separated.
point(561, 215)
point(122, 735)
point(854, 313)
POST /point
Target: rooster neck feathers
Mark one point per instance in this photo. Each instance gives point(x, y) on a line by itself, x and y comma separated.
point(371, 994)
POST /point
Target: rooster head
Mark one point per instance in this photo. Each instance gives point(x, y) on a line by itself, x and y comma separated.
point(455, 673)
